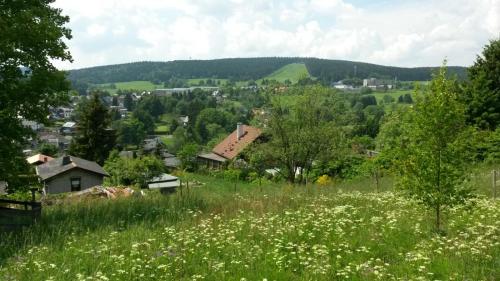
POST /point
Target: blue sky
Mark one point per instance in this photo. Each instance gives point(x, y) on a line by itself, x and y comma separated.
point(401, 33)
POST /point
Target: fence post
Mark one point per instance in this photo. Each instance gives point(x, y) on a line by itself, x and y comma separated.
point(33, 190)
point(494, 183)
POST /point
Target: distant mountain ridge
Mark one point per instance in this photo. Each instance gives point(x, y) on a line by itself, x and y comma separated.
point(243, 69)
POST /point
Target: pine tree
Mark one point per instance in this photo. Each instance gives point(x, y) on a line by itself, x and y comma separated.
point(94, 139)
point(482, 93)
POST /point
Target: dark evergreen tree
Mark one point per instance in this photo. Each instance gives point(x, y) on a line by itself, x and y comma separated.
point(146, 119)
point(128, 102)
point(407, 98)
point(482, 94)
point(94, 139)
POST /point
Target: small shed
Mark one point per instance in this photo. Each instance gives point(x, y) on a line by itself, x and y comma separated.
point(38, 159)
point(165, 183)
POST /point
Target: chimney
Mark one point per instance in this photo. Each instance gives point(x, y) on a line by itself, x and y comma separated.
point(239, 131)
point(66, 160)
point(44, 159)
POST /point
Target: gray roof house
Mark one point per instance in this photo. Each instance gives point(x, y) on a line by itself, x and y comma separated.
point(69, 173)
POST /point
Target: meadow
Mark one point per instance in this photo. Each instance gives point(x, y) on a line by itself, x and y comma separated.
point(219, 230)
point(292, 72)
point(131, 85)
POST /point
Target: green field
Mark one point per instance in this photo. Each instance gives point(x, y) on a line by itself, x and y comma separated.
point(292, 72)
point(132, 85)
point(393, 93)
point(219, 230)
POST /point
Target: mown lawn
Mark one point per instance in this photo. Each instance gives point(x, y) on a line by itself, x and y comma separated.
point(219, 231)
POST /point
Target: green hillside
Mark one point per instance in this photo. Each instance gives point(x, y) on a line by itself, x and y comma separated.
point(292, 72)
point(245, 69)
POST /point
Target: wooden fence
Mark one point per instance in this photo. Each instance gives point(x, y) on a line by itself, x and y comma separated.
point(14, 215)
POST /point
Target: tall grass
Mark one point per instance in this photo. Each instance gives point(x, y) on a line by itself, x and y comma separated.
point(219, 231)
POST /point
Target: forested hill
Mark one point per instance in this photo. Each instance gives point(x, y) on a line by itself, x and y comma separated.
point(243, 69)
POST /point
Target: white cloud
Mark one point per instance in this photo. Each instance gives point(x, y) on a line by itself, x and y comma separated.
point(400, 33)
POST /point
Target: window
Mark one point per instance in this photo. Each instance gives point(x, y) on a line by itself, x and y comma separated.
point(76, 184)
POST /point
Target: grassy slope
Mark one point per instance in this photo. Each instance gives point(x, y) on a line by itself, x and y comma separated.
point(292, 72)
point(280, 233)
point(131, 85)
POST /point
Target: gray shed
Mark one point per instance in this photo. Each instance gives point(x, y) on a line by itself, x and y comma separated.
point(69, 173)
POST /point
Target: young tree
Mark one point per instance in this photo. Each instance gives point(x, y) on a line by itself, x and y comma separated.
point(48, 149)
point(146, 119)
point(94, 139)
point(300, 134)
point(32, 37)
point(432, 160)
point(187, 156)
point(131, 132)
point(129, 171)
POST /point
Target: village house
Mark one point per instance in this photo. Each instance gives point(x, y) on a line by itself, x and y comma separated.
point(60, 141)
point(38, 159)
point(183, 120)
point(68, 128)
point(33, 125)
point(230, 147)
point(69, 173)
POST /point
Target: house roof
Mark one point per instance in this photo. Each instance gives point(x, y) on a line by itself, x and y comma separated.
point(172, 162)
point(163, 178)
point(59, 165)
point(230, 147)
point(212, 156)
point(69, 124)
point(38, 158)
point(164, 181)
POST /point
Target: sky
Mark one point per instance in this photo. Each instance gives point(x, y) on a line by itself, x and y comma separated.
point(399, 33)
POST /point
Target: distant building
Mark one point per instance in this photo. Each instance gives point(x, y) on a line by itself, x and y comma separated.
point(377, 84)
point(170, 160)
point(230, 147)
point(69, 173)
point(341, 86)
point(68, 128)
point(183, 120)
point(38, 159)
point(165, 183)
point(60, 141)
point(33, 125)
point(170, 91)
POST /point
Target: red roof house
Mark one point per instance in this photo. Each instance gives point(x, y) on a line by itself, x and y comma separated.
point(231, 146)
